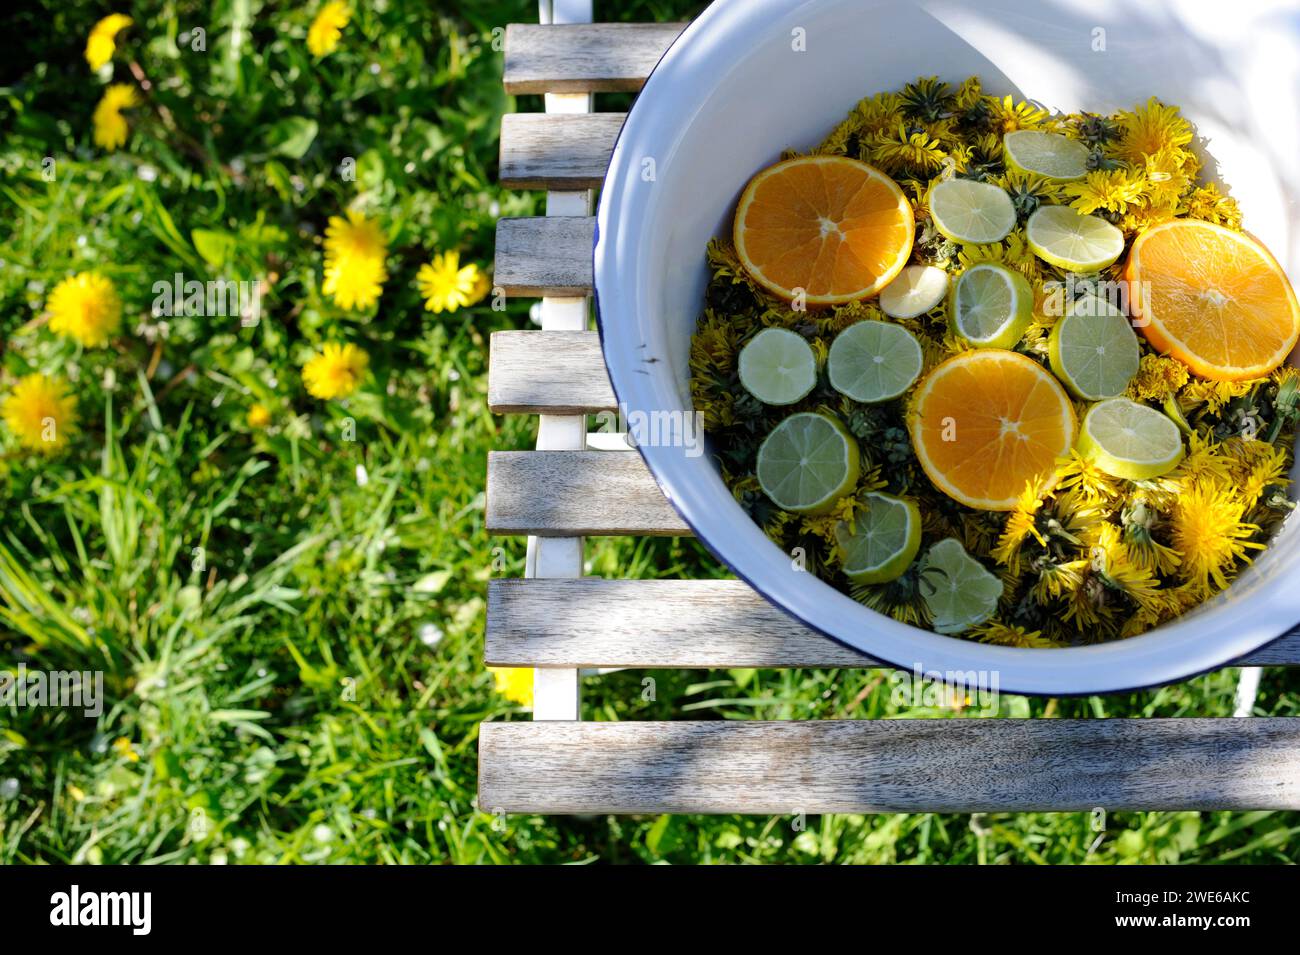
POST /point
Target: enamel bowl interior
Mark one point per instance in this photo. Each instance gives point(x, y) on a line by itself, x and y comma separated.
point(750, 78)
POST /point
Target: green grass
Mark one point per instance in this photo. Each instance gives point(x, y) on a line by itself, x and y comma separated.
point(292, 656)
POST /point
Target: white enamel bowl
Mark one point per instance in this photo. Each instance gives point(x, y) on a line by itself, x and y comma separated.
point(750, 78)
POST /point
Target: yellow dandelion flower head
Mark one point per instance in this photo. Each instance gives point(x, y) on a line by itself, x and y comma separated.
point(355, 249)
point(1157, 378)
point(259, 416)
point(1166, 176)
point(1008, 635)
point(968, 94)
point(102, 42)
point(1209, 534)
point(110, 125)
point(85, 307)
point(1210, 205)
point(514, 683)
point(1091, 483)
point(1020, 525)
point(327, 28)
point(336, 372)
point(1011, 116)
point(1113, 190)
point(903, 148)
point(446, 285)
point(1151, 129)
point(40, 413)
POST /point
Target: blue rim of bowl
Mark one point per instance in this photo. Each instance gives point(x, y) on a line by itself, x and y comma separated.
point(686, 516)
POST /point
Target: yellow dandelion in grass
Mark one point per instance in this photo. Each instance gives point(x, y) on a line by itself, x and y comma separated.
point(110, 125)
point(122, 746)
point(355, 249)
point(327, 29)
point(514, 683)
point(259, 416)
point(1112, 190)
point(40, 413)
point(85, 307)
point(102, 42)
point(1150, 129)
point(336, 372)
point(1209, 534)
point(446, 285)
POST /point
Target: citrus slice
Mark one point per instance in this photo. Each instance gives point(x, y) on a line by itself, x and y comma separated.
point(970, 212)
point(874, 361)
point(883, 542)
point(808, 462)
point(1068, 239)
point(917, 289)
point(1046, 154)
point(992, 306)
point(827, 228)
point(959, 591)
point(777, 366)
point(1213, 298)
point(986, 422)
point(1128, 440)
point(1093, 349)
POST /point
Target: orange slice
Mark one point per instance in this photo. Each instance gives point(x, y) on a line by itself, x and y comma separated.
point(1213, 298)
point(986, 422)
point(834, 228)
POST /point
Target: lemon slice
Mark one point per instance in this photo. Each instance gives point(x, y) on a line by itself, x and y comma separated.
point(1129, 440)
point(1069, 240)
point(777, 366)
point(808, 462)
point(874, 361)
point(992, 306)
point(917, 289)
point(883, 542)
point(1046, 154)
point(970, 212)
point(1093, 349)
point(959, 591)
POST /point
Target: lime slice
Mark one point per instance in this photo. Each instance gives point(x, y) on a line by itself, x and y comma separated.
point(917, 289)
point(1129, 440)
point(959, 591)
point(1046, 154)
point(1069, 240)
point(808, 462)
point(992, 306)
point(874, 361)
point(970, 212)
point(1093, 349)
point(883, 542)
point(777, 366)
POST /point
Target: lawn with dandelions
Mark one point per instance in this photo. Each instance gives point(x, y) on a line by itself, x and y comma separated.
point(259, 512)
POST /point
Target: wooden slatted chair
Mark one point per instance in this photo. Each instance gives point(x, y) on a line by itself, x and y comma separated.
point(558, 622)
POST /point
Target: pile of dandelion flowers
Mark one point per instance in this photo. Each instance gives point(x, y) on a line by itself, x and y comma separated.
point(110, 125)
point(355, 249)
point(40, 413)
point(85, 307)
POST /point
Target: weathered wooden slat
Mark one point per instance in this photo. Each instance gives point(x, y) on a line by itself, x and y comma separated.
point(533, 372)
point(581, 58)
point(944, 765)
point(547, 255)
point(592, 622)
point(557, 151)
point(588, 494)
